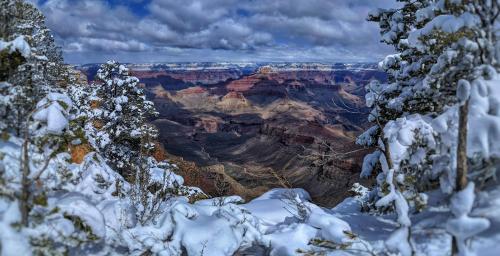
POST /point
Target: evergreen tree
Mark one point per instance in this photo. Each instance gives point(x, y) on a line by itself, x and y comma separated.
point(23, 19)
point(34, 114)
point(30, 62)
point(119, 111)
point(462, 35)
point(403, 95)
point(466, 52)
point(443, 49)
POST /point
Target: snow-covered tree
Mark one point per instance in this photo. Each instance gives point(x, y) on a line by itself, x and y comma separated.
point(463, 36)
point(445, 53)
point(28, 93)
point(403, 140)
point(20, 18)
point(404, 94)
point(464, 39)
point(29, 59)
point(35, 118)
point(119, 111)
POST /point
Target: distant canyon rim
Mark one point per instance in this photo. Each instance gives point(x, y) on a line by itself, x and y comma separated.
point(243, 128)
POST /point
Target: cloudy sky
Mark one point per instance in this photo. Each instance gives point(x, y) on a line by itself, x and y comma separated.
point(215, 30)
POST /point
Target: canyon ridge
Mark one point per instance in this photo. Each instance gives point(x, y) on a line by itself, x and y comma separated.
point(243, 128)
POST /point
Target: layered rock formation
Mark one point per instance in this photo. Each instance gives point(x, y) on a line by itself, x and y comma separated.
point(271, 127)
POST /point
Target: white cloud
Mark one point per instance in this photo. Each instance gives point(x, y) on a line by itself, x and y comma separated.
point(328, 30)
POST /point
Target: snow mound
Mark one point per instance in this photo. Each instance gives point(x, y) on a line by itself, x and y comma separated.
point(19, 44)
point(54, 110)
point(463, 226)
point(13, 242)
point(95, 206)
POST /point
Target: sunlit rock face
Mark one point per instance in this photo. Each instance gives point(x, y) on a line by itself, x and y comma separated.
point(260, 123)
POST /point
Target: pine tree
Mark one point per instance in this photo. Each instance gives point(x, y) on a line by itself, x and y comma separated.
point(406, 92)
point(404, 95)
point(28, 95)
point(31, 73)
point(467, 55)
point(468, 52)
point(119, 111)
point(443, 49)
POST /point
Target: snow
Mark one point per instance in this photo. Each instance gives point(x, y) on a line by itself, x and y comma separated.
point(219, 233)
point(369, 162)
point(443, 23)
point(484, 118)
point(76, 205)
point(276, 214)
point(290, 238)
point(425, 13)
point(397, 242)
point(330, 228)
point(96, 179)
point(285, 232)
point(366, 139)
point(222, 228)
point(395, 196)
point(122, 69)
point(54, 110)
point(4, 85)
point(463, 226)
point(166, 177)
point(116, 215)
point(221, 201)
point(13, 242)
point(270, 216)
point(402, 133)
point(488, 206)
point(461, 202)
point(19, 44)
point(463, 90)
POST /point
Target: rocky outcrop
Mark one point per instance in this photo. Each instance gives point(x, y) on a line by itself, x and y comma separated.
point(190, 76)
point(209, 124)
point(233, 101)
point(243, 84)
point(286, 135)
point(196, 90)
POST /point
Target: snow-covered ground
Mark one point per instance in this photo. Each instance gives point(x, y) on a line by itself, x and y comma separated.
point(280, 222)
point(428, 232)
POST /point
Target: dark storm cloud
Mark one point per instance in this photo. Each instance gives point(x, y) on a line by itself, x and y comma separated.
point(205, 30)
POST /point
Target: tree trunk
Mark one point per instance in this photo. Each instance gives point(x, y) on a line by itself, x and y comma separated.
point(25, 183)
point(387, 153)
point(461, 181)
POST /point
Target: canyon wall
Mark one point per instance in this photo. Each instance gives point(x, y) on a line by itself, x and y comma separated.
point(263, 126)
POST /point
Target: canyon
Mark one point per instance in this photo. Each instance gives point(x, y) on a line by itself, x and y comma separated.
point(243, 128)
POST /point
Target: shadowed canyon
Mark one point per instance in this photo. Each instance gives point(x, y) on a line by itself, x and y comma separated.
point(245, 128)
